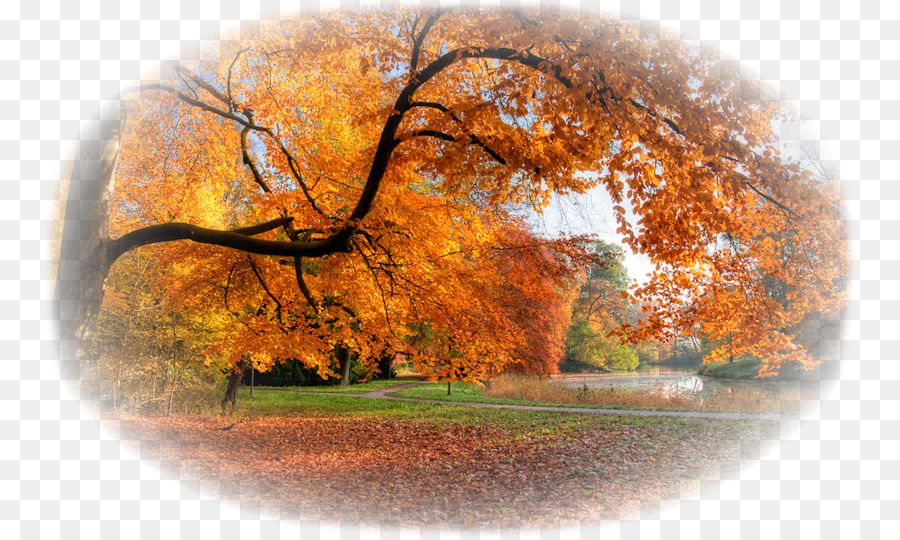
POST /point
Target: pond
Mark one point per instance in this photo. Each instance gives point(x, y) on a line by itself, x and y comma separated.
point(675, 381)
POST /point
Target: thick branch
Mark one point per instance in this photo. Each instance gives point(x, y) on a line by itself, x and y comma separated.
point(264, 227)
point(237, 239)
point(405, 102)
point(473, 139)
point(248, 160)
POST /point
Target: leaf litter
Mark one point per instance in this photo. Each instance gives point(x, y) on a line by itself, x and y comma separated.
point(406, 473)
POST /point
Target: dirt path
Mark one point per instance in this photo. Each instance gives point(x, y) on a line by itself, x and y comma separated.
point(384, 393)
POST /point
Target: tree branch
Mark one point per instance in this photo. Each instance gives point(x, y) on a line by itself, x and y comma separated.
point(195, 102)
point(263, 227)
point(473, 139)
point(420, 38)
point(228, 286)
point(301, 284)
point(240, 239)
point(265, 287)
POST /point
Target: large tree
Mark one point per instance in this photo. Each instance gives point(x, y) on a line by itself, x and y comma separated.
point(311, 142)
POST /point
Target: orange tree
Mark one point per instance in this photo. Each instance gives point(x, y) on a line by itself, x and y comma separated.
point(312, 142)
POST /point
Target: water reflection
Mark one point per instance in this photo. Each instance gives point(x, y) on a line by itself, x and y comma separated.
point(674, 382)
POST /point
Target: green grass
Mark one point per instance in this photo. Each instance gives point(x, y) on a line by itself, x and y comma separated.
point(742, 369)
point(749, 368)
point(473, 393)
point(359, 388)
point(279, 404)
point(460, 391)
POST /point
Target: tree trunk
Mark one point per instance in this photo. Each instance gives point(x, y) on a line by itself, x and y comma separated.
point(385, 365)
point(234, 382)
point(83, 268)
point(174, 367)
point(343, 357)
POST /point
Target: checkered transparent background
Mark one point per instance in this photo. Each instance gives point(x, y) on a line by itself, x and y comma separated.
point(63, 474)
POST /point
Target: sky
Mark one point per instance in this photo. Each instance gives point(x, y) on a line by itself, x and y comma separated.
point(590, 213)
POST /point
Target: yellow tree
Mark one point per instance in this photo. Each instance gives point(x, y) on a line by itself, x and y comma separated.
point(327, 144)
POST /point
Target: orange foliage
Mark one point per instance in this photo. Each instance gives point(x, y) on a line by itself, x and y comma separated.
point(382, 156)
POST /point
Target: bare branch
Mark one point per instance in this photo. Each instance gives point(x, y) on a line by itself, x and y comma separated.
point(230, 69)
point(301, 284)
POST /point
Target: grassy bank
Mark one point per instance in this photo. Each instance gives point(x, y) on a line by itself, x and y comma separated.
point(742, 369)
point(748, 369)
point(289, 404)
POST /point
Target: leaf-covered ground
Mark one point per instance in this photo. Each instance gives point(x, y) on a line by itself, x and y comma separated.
point(408, 473)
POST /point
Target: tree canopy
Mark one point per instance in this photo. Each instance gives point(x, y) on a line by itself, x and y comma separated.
point(357, 178)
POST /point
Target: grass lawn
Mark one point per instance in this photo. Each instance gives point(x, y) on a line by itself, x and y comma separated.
point(274, 403)
point(523, 390)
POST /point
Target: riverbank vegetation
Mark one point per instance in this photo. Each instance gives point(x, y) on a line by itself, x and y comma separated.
point(765, 397)
point(747, 369)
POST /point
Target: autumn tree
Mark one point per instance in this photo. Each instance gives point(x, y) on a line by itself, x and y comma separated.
point(533, 279)
point(599, 309)
point(338, 149)
point(147, 353)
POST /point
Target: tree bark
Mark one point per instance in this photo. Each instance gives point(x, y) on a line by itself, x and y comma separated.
point(234, 383)
point(343, 357)
point(385, 365)
point(82, 268)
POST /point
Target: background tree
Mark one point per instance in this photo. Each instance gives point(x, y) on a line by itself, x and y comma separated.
point(600, 308)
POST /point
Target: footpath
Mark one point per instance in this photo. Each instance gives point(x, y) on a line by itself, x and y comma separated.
point(385, 393)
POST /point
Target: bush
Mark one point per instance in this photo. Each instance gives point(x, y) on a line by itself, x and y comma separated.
point(624, 358)
point(148, 388)
point(293, 372)
point(290, 372)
